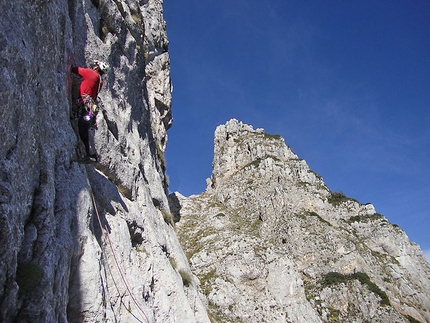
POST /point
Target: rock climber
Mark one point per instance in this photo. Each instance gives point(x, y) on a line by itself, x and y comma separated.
point(90, 87)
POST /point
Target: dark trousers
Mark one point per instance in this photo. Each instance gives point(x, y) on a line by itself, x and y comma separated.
point(85, 127)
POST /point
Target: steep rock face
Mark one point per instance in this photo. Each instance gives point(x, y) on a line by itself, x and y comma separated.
point(57, 264)
point(271, 243)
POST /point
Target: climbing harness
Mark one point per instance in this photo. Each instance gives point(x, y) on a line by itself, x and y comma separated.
point(86, 106)
point(118, 264)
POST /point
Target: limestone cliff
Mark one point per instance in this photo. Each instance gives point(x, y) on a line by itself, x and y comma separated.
point(271, 243)
point(57, 264)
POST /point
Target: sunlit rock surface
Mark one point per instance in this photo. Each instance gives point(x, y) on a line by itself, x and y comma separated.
point(271, 243)
point(56, 263)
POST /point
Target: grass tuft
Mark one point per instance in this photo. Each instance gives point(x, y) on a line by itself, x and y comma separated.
point(332, 278)
point(337, 198)
point(167, 216)
point(187, 278)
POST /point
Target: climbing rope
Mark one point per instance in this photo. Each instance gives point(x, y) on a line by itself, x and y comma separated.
point(118, 264)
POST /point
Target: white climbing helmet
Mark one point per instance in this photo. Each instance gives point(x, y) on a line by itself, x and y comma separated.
point(104, 67)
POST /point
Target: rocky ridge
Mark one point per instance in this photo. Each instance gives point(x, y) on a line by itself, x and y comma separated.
point(271, 243)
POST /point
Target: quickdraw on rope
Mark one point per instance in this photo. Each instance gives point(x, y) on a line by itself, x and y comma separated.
point(118, 264)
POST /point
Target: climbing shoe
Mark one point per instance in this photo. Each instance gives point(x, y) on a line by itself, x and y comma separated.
point(93, 158)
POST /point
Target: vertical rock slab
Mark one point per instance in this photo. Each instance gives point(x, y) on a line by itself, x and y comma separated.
point(88, 243)
point(37, 188)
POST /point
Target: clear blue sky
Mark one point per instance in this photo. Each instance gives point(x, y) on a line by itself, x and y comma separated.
point(346, 83)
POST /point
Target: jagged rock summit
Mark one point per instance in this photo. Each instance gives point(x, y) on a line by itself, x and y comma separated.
point(271, 243)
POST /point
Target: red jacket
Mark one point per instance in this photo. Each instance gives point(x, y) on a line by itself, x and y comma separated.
point(91, 83)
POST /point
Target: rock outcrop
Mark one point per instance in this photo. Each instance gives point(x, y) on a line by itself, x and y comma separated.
point(57, 261)
point(271, 243)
